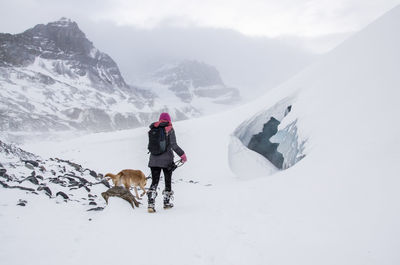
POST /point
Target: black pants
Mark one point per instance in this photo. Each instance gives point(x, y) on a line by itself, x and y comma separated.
point(155, 177)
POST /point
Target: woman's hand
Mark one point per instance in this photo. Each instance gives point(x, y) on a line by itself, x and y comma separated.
point(183, 158)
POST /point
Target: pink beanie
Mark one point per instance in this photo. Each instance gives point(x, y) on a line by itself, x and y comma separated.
point(165, 116)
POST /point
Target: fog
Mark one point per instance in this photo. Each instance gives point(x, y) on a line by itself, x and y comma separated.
point(251, 64)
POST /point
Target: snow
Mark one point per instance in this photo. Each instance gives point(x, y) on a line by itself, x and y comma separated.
point(338, 205)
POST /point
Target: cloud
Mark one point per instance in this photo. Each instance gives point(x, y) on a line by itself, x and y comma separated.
point(252, 17)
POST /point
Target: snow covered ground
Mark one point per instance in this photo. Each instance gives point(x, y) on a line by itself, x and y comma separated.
point(339, 205)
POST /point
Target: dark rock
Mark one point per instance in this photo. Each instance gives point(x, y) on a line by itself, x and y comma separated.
point(22, 202)
point(73, 178)
point(42, 169)
point(62, 194)
point(28, 165)
point(31, 162)
point(39, 177)
point(5, 185)
point(7, 177)
point(96, 209)
point(92, 203)
point(31, 179)
point(58, 181)
point(46, 190)
point(76, 166)
point(122, 193)
point(21, 188)
point(92, 196)
point(93, 173)
point(105, 183)
point(2, 172)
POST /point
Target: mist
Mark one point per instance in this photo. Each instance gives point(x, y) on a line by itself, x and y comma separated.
point(251, 64)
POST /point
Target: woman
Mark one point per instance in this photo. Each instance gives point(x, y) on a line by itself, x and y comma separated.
point(164, 162)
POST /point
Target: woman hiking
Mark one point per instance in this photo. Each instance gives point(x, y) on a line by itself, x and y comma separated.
point(162, 143)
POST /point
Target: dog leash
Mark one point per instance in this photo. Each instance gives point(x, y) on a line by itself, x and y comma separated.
point(177, 164)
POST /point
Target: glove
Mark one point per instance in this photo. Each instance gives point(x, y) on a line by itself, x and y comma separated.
point(183, 158)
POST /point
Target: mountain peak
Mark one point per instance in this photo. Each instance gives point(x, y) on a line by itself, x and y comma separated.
point(64, 22)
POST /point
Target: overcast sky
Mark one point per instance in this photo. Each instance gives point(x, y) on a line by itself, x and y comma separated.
point(271, 18)
point(254, 44)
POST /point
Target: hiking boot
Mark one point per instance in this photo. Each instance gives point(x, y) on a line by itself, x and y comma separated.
point(151, 195)
point(168, 195)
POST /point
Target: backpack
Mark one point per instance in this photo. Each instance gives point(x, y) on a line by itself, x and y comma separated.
point(157, 140)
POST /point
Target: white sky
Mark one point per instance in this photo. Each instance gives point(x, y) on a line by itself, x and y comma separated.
point(271, 18)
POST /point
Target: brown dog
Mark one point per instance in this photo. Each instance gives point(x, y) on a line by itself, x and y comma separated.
point(128, 178)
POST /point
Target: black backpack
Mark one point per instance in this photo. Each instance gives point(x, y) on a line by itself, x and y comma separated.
point(157, 140)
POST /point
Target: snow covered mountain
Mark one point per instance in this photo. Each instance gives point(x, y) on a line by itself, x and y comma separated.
point(336, 126)
point(191, 86)
point(52, 78)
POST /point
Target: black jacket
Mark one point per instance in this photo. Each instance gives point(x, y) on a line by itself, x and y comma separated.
point(166, 159)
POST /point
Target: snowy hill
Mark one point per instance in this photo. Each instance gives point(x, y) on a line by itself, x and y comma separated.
point(52, 78)
point(339, 204)
point(52, 178)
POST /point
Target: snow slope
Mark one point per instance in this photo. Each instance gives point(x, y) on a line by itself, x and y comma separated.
point(339, 205)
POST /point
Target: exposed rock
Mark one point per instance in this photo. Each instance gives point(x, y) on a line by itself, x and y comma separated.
point(5, 185)
point(46, 189)
point(76, 166)
point(93, 173)
point(96, 209)
point(62, 194)
point(31, 162)
point(31, 179)
point(105, 183)
point(16, 152)
point(122, 193)
point(13, 173)
point(22, 202)
point(30, 166)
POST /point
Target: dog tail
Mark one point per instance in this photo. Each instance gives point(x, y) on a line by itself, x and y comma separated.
point(112, 176)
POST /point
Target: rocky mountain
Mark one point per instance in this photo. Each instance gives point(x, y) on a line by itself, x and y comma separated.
point(191, 79)
point(52, 78)
point(192, 86)
point(66, 50)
